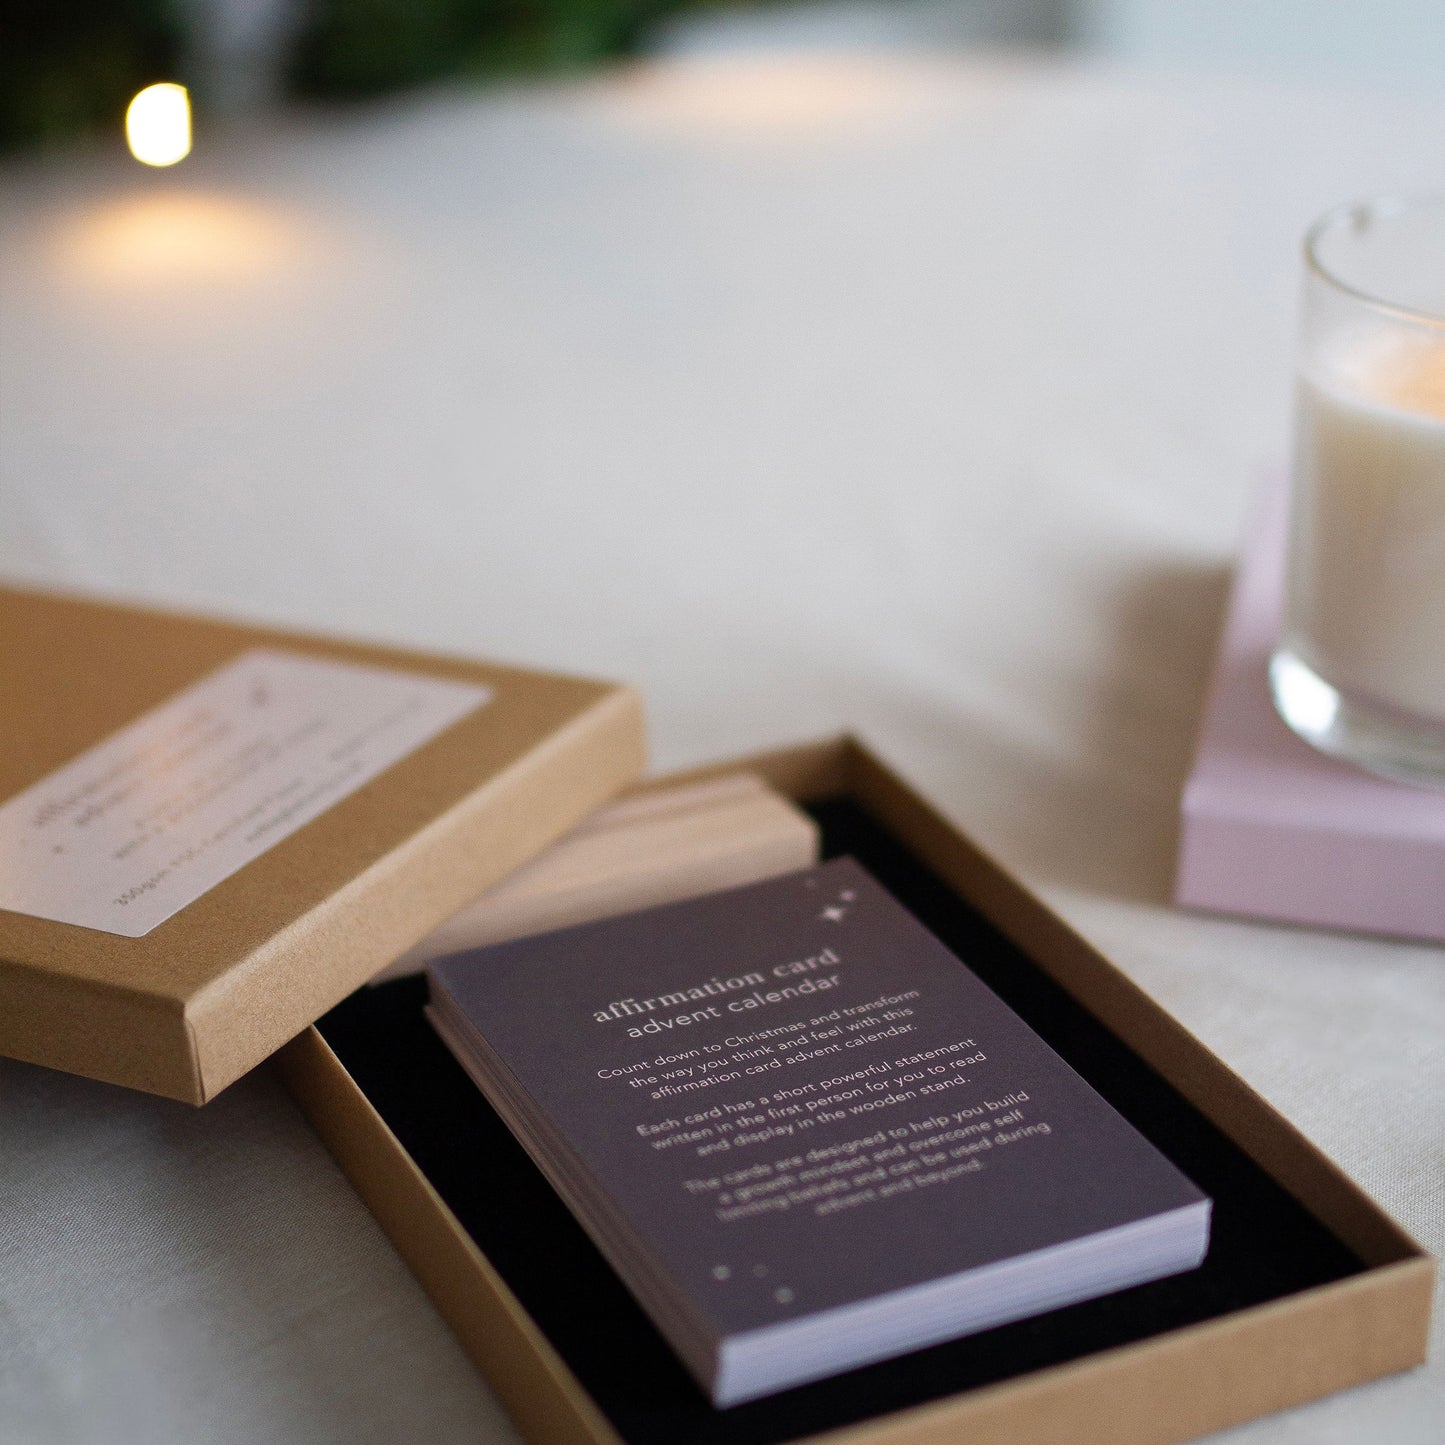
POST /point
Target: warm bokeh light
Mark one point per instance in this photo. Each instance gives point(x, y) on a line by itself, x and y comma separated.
point(180, 238)
point(764, 96)
point(158, 125)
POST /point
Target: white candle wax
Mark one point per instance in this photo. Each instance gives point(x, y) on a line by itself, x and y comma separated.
point(1367, 568)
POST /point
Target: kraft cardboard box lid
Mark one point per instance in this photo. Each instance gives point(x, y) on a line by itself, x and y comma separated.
point(211, 833)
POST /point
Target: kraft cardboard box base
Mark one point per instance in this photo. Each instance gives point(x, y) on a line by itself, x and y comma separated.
point(1308, 1288)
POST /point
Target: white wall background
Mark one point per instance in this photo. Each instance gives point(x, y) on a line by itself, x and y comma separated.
point(1400, 42)
point(1394, 42)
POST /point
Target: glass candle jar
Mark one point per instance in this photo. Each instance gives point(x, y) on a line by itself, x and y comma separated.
point(1360, 666)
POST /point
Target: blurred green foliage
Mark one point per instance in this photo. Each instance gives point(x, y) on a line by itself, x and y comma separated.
point(68, 67)
point(366, 47)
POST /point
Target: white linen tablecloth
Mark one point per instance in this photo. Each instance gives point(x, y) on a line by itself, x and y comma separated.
point(924, 396)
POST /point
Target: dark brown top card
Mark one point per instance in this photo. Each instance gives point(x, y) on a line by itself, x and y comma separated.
point(798, 1098)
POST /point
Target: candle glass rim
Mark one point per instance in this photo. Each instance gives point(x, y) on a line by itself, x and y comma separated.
point(1352, 213)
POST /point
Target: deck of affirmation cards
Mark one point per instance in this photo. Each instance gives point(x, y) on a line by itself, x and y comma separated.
point(804, 1133)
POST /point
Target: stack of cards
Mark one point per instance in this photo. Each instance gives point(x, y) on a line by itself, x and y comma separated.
point(805, 1135)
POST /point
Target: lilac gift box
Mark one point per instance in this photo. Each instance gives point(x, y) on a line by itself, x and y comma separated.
point(1274, 829)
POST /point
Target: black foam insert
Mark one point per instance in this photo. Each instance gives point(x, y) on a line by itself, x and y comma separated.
point(1265, 1244)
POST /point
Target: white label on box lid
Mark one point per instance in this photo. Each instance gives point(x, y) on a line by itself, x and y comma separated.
point(157, 814)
